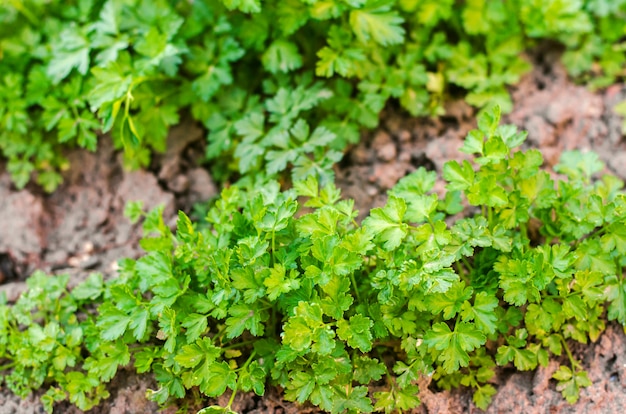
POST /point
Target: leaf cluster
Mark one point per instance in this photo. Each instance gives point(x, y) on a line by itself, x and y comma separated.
point(284, 288)
point(276, 84)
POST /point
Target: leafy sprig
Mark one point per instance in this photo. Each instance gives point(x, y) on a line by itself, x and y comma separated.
point(255, 74)
point(267, 293)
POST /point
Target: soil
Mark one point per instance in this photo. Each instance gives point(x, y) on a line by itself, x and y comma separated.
point(81, 228)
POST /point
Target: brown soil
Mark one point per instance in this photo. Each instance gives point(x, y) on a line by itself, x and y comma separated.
point(81, 228)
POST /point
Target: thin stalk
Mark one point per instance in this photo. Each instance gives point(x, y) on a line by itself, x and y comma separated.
point(238, 344)
point(273, 319)
point(467, 264)
point(232, 396)
point(390, 380)
point(140, 348)
point(7, 366)
point(597, 232)
point(355, 287)
point(25, 12)
point(460, 270)
point(572, 360)
point(273, 247)
point(523, 228)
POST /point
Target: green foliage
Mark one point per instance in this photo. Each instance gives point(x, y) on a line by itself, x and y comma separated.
point(277, 84)
point(266, 293)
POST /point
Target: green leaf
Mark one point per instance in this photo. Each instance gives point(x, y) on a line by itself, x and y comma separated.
point(385, 224)
point(357, 332)
point(570, 383)
point(220, 377)
point(355, 399)
point(482, 312)
point(488, 121)
point(155, 268)
point(614, 239)
point(279, 283)
point(196, 324)
point(450, 302)
point(421, 207)
point(495, 150)
point(524, 359)
point(90, 289)
point(458, 176)
point(71, 51)
point(453, 345)
point(483, 395)
point(473, 143)
point(243, 317)
point(338, 297)
point(111, 84)
point(253, 378)
point(404, 398)
point(281, 56)
point(201, 351)
point(113, 322)
point(246, 6)
point(577, 164)
point(378, 23)
point(616, 295)
point(418, 183)
point(307, 327)
point(367, 369)
point(486, 191)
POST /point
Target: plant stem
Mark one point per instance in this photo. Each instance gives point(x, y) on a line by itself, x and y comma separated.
point(245, 365)
point(25, 12)
point(239, 344)
point(572, 361)
point(355, 287)
point(7, 366)
point(460, 270)
point(388, 376)
point(523, 228)
point(273, 247)
point(467, 264)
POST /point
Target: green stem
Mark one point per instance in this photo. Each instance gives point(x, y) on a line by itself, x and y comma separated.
point(245, 365)
point(390, 380)
point(75, 112)
point(7, 366)
point(273, 321)
point(141, 348)
point(238, 344)
point(25, 12)
point(523, 228)
point(355, 287)
point(273, 247)
point(467, 264)
point(129, 97)
point(573, 362)
point(600, 231)
point(460, 270)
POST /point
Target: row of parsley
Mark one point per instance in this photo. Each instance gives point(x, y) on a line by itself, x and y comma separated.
point(277, 84)
point(342, 315)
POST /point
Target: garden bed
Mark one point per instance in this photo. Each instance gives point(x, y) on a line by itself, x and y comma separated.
point(81, 229)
